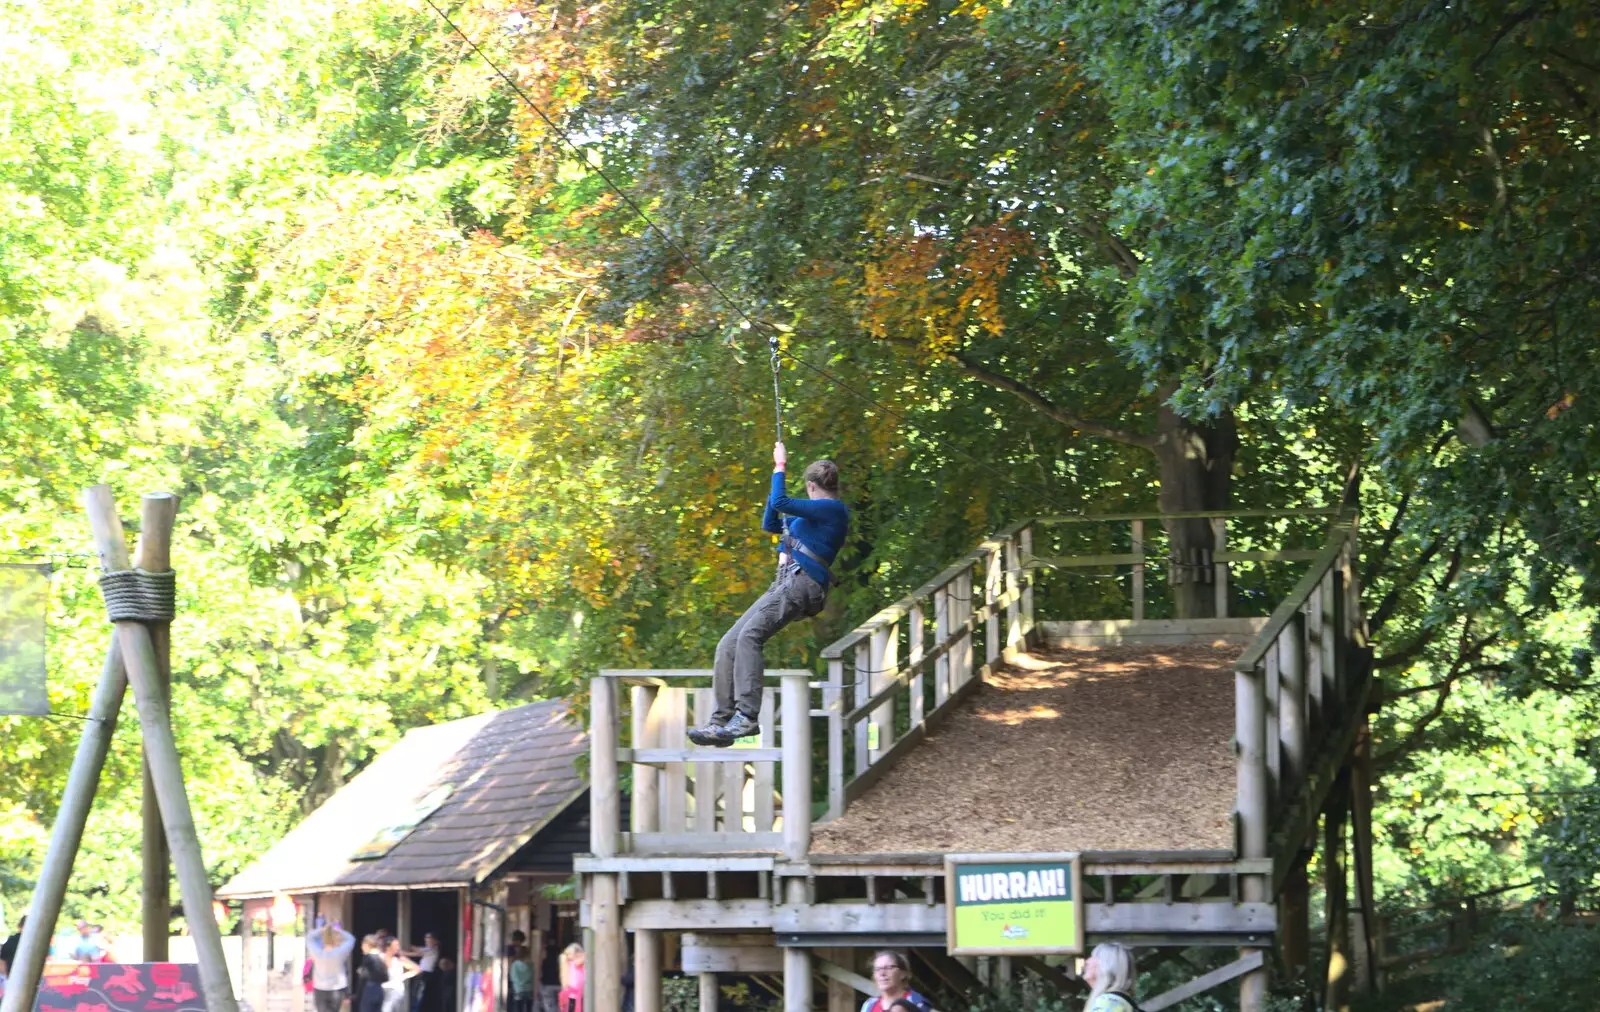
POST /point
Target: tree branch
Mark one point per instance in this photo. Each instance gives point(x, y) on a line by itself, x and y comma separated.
point(1459, 669)
point(1044, 405)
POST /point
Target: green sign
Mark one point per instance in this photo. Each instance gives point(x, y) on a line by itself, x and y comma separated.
point(1013, 903)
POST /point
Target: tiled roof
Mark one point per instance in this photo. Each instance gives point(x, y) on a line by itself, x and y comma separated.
point(511, 771)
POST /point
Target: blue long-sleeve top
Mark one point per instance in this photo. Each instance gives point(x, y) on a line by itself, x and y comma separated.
point(819, 524)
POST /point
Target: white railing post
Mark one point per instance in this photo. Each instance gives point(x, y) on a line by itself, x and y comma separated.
point(914, 632)
point(796, 744)
point(833, 702)
point(1138, 570)
point(1292, 704)
point(1219, 544)
point(1014, 639)
point(644, 814)
point(605, 817)
point(991, 601)
point(1026, 540)
point(863, 693)
point(941, 633)
point(885, 660)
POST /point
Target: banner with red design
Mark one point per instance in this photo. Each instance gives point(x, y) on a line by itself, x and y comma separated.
point(120, 987)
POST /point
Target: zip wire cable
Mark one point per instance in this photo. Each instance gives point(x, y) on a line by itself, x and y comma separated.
point(727, 299)
point(777, 397)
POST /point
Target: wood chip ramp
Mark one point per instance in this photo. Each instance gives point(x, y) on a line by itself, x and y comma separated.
point(1087, 748)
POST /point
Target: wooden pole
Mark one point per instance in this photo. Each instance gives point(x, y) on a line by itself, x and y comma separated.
point(1025, 541)
point(604, 977)
point(645, 812)
point(1219, 544)
point(605, 816)
point(66, 834)
point(647, 970)
point(1293, 703)
point(709, 992)
point(1250, 730)
point(1364, 918)
point(796, 744)
point(1294, 920)
point(1138, 570)
point(796, 960)
point(159, 510)
point(161, 752)
point(1336, 982)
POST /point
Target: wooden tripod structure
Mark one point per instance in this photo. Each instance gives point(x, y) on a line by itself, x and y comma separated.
point(137, 655)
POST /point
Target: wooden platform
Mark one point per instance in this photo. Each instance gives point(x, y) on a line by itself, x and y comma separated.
point(1109, 748)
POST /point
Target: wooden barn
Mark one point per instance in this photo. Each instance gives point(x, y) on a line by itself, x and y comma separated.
point(465, 829)
point(1181, 767)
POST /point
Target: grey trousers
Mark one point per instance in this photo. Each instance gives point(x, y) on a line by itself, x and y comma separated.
point(737, 676)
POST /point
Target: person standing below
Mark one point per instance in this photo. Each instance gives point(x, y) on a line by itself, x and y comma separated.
point(427, 959)
point(400, 969)
point(809, 541)
point(572, 974)
point(371, 972)
point(330, 958)
point(8, 949)
point(521, 979)
point(891, 972)
point(1110, 975)
point(549, 973)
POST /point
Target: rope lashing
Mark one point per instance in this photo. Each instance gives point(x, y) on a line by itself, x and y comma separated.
point(777, 397)
point(140, 596)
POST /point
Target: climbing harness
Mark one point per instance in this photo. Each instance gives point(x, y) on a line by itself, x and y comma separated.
point(777, 397)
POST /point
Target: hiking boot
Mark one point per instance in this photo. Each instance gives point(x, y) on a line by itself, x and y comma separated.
point(723, 735)
point(711, 734)
point(740, 727)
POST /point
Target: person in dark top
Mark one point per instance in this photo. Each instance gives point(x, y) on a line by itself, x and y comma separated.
point(811, 532)
point(8, 950)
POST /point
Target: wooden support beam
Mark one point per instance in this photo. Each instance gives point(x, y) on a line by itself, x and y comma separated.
point(647, 971)
point(835, 972)
point(166, 769)
point(796, 751)
point(1252, 961)
point(158, 513)
point(796, 960)
point(709, 992)
point(1336, 890)
point(645, 811)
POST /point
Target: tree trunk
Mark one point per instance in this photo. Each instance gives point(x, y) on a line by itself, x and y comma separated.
point(1336, 894)
point(1196, 467)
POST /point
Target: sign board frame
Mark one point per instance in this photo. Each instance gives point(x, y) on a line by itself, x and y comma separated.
point(1074, 862)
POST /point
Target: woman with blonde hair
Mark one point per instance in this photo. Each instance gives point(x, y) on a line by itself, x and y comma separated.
point(572, 973)
point(1111, 978)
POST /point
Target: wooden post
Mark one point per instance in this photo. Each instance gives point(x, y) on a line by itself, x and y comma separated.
point(796, 961)
point(647, 970)
point(1365, 978)
point(1293, 703)
point(1250, 721)
point(1026, 540)
point(604, 976)
point(605, 807)
point(884, 658)
point(645, 811)
point(991, 598)
point(915, 628)
point(605, 820)
point(66, 834)
point(833, 700)
point(863, 693)
point(1138, 570)
point(1014, 639)
point(961, 663)
point(1336, 982)
point(709, 992)
point(941, 632)
point(1219, 544)
point(1294, 920)
point(159, 510)
point(161, 753)
point(796, 745)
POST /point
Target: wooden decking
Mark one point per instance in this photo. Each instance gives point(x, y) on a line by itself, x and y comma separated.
point(1113, 748)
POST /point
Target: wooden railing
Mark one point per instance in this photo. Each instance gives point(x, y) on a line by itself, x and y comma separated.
point(936, 628)
point(688, 800)
point(1294, 690)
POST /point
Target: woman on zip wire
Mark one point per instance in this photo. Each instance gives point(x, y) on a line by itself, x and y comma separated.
point(809, 540)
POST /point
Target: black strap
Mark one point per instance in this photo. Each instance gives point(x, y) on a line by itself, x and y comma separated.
point(793, 546)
